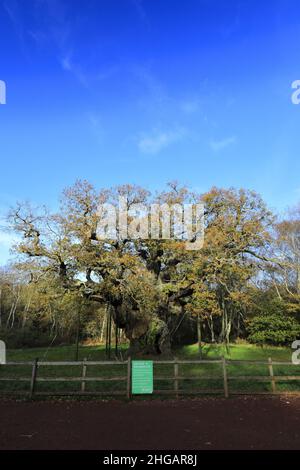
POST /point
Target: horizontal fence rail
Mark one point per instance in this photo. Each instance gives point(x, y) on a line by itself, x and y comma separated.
point(177, 376)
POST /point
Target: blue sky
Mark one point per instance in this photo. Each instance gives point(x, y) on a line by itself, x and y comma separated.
point(147, 91)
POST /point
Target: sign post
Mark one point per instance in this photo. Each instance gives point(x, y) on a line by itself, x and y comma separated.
point(142, 377)
point(2, 352)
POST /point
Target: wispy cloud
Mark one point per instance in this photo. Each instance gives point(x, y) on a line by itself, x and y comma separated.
point(69, 65)
point(82, 74)
point(52, 24)
point(57, 22)
point(157, 98)
point(96, 125)
point(217, 145)
point(140, 8)
point(155, 95)
point(14, 12)
point(190, 106)
point(12, 9)
point(158, 140)
point(48, 19)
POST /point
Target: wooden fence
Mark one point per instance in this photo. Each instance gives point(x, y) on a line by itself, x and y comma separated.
point(175, 378)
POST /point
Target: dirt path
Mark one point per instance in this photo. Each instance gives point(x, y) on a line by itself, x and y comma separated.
point(207, 423)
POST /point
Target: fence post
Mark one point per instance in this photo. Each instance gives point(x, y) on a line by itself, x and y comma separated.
point(84, 368)
point(33, 377)
point(176, 377)
point(129, 378)
point(225, 377)
point(271, 372)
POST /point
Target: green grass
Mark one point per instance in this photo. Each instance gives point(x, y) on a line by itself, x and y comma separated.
point(241, 351)
point(199, 372)
point(60, 353)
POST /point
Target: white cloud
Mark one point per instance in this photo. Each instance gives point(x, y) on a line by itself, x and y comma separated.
point(82, 74)
point(154, 94)
point(138, 4)
point(217, 145)
point(69, 66)
point(14, 11)
point(96, 125)
point(189, 106)
point(66, 63)
point(159, 140)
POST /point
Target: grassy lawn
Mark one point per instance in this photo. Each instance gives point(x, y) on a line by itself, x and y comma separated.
point(241, 351)
point(199, 372)
point(60, 353)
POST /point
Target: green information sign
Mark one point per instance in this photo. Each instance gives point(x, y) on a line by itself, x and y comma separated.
point(142, 377)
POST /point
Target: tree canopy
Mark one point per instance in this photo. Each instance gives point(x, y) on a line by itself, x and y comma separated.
point(151, 287)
